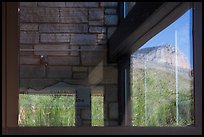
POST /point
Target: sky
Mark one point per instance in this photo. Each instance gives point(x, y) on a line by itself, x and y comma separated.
point(183, 26)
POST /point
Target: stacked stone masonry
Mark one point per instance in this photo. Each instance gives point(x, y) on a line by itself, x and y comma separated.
point(73, 37)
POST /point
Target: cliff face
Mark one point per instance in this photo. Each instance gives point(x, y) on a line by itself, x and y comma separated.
point(165, 55)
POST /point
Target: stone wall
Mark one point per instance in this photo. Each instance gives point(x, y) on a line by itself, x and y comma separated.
point(67, 41)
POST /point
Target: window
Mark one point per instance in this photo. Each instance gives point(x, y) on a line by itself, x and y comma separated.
point(127, 7)
point(162, 90)
point(97, 110)
point(133, 41)
point(46, 110)
point(157, 60)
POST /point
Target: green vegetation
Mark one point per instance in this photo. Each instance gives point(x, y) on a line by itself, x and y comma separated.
point(155, 104)
point(46, 110)
point(97, 110)
point(55, 110)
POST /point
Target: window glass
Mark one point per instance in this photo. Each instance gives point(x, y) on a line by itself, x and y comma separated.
point(62, 60)
point(162, 92)
point(127, 7)
point(46, 110)
point(97, 110)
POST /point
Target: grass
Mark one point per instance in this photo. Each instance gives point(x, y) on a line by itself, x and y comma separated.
point(55, 110)
point(97, 110)
point(46, 110)
point(155, 104)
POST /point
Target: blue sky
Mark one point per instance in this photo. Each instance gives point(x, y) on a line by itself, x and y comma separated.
point(183, 26)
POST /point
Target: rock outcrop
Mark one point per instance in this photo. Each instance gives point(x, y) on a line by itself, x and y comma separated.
point(165, 55)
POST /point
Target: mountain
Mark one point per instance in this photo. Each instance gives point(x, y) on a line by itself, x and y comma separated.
point(164, 55)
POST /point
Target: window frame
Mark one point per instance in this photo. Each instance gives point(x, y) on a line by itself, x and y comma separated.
point(128, 45)
point(10, 82)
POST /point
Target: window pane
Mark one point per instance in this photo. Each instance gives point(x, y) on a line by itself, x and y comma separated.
point(97, 111)
point(162, 77)
point(127, 7)
point(46, 110)
point(62, 56)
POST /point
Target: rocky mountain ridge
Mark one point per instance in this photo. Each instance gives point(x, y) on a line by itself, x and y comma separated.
point(164, 54)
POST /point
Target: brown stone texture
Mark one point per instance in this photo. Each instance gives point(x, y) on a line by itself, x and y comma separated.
point(46, 38)
point(111, 93)
point(29, 60)
point(72, 37)
point(32, 71)
point(96, 14)
point(29, 37)
point(59, 71)
point(81, 4)
point(63, 60)
point(83, 39)
point(69, 28)
point(73, 15)
point(51, 4)
point(113, 110)
point(28, 27)
point(39, 14)
point(54, 49)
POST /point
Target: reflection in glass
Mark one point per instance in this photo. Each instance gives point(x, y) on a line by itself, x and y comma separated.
point(161, 77)
point(127, 7)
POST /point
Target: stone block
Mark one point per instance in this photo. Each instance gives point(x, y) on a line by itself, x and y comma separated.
point(81, 4)
point(86, 114)
point(101, 36)
point(51, 4)
point(96, 23)
point(96, 14)
point(29, 60)
point(67, 60)
point(113, 110)
point(83, 39)
point(106, 111)
point(110, 11)
point(108, 4)
point(101, 39)
point(70, 28)
point(92, 58)
point(97, 29)
point(97, 91)
point(113, 123)
point(74, 53)
point(59, 72)
point(26, 46)
point(111, 93)
point(93, 48)
point(29, 37)
point(46, 38)
point(32, 71)
point(111, 30)
point(37, 84)
point(110, 75)
point(79, 69)
point(28, 27)
point(80, 75)
point(37, 14)
point(73, 15)
point(53, 49)
point(28, 4)
point(111, 19)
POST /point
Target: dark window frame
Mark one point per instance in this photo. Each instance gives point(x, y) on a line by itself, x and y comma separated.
point(10, 69)
point(123, 53)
